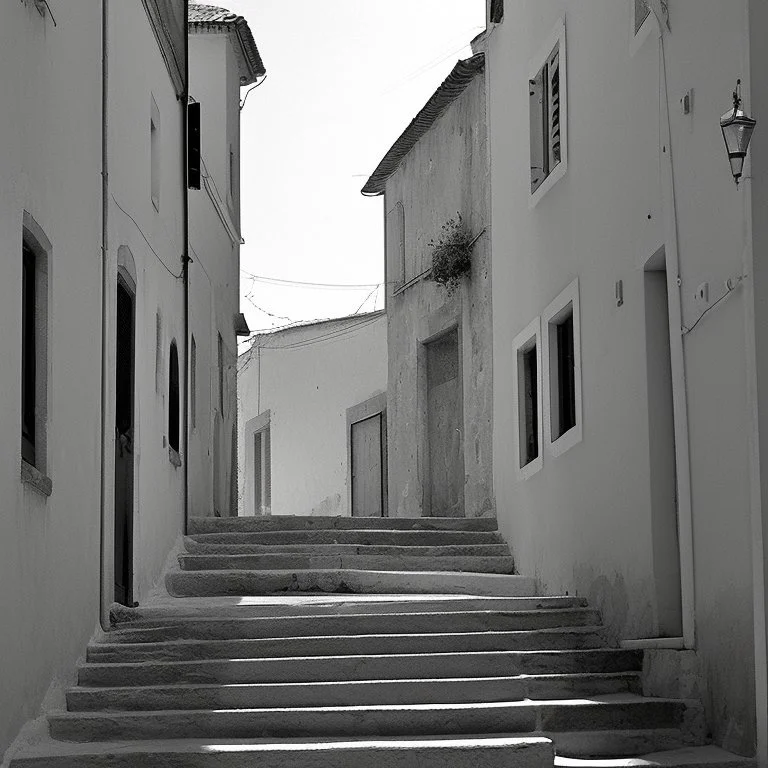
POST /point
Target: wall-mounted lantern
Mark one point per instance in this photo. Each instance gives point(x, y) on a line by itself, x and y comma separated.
point(737, 130)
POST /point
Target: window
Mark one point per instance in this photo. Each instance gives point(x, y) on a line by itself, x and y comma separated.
point(173, 398)
point(547, 93)
point(563, 376)
point(193, 382)
point(262, 467)
point(28, 355)
point(396, 241)
point(497, 11)
point(154, 143)
point(35, 253)
point(527, 346)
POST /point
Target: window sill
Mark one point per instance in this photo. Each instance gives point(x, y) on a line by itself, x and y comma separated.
point(35, 478)
point(548, 183)
point(173, 457)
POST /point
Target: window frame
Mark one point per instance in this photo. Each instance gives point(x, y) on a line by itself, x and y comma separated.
point(566, 302)
point(556, 40)
point(529, 336)
point(39, 251)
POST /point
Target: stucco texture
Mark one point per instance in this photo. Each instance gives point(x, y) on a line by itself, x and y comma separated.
point(583, 523)
point(445, 173)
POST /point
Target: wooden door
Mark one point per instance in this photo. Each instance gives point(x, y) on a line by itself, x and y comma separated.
point(367, 467)
point(445, 427)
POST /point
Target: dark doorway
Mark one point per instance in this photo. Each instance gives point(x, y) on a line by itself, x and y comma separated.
point(124, 426)
point(661, 436)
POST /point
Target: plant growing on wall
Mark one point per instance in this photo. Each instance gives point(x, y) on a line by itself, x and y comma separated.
point(451, 253)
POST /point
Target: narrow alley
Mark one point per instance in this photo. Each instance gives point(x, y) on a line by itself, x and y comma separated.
point(384, 384)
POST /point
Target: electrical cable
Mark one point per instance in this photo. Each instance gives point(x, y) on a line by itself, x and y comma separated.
point(247, 93)
point(727, 293)
point(149, 245)
point(366, 299)
point(310, 284)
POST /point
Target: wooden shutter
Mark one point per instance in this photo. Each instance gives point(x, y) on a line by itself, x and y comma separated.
point(553, 110)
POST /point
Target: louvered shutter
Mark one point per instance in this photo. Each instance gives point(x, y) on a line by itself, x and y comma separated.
point(554, 112)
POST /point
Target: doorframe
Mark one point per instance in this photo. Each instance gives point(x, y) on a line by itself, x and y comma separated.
point(373, 406)
point(440, 322)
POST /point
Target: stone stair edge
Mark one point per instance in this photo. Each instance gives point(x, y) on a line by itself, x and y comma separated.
point(326, 522)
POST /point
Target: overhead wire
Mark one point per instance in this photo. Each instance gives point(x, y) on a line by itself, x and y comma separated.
point(146, 240)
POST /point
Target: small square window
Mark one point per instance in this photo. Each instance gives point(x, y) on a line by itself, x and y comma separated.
point(527, 396)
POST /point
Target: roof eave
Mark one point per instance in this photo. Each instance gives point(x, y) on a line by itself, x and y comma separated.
point(450, 89)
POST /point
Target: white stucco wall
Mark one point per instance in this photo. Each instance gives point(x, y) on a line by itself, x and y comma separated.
point(307, 389)
point(582, 523)
point(51, 589)
point(49, 546)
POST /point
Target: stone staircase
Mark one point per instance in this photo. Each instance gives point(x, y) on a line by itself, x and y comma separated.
point(337, 642)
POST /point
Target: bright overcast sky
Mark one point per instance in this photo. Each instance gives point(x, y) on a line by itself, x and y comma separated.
point(344, 78)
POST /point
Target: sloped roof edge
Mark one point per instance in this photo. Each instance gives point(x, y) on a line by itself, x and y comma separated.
point(211, 18)
point(451, 88)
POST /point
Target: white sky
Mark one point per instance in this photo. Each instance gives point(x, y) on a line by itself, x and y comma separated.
point(344, 78)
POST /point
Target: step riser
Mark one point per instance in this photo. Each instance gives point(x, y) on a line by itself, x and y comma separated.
point(342, 694)
point(535, 754)
point(337, 669)
point(155, 616)
point(394, 538)
point(346, 646)
point(372, 562)
point(396, 721)
point(618, 744)
point(317, 523)
point(371, 624)
point(456, 550)
point(239, 583)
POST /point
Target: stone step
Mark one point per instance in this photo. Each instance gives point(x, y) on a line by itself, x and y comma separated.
point(306, 561)
point(209, 583)
point(424, 622)
point(347, 645)
point(708, 756)
point(597, 714)
point(364, 692)
point(453, 550)
point(299, 669)
point(324, 605)
point(338, 523)
point(398, 538)
point(475, 752)
point(625, 742)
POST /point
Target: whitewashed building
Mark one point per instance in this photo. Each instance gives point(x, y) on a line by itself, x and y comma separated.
point(312, 410)
point(439, 399)
point(629, 291)
point(222, 57)
point(95, 291)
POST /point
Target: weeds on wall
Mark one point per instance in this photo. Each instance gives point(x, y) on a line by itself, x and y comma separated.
point(451, 254)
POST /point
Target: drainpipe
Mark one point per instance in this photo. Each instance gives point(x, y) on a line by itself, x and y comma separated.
point(104, 615)
point(186, 259)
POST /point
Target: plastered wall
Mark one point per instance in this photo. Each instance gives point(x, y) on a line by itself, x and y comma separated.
point(307, 378)
point(445, 173)
point(582, 524)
